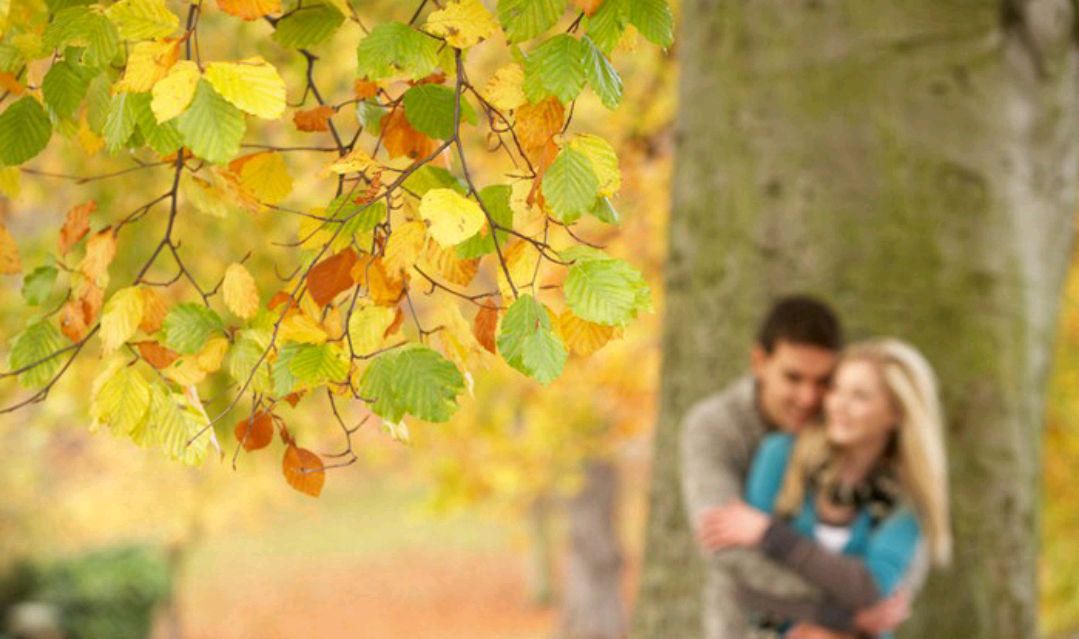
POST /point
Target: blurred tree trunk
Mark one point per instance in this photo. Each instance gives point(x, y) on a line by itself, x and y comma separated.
point(540, 560)
point(592, 602)
point(914, 163)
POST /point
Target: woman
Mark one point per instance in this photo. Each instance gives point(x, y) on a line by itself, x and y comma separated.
point(870, 483)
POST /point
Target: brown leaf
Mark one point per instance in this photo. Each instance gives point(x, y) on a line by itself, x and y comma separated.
point(303, 470)
point(316, 119)
point(382, 288)
point(588, 6)
point(90, 301)
point(364, 89)
point(331, 276)
point(485, 326)
point(398, 320)
point(155, 354)
point(401, 139)
point(256, 431)
point(281, 297)
point(537, 124)
point(76, 225)
point(294, 398)
point(72, 324)
point(154, 310)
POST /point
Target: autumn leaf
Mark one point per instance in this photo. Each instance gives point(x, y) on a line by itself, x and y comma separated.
point(252, 85)
point(537, 124)
point(300, 328)
point(485, 326)
point(256, 431)
point(210, 357)
point(357, 161)
point(315, 119)
point(121, 318)
point(148, 63)
point(172, 94)
point(403, 247)
point(589, 7)
point(504, 90)
point(241, 295)
point(364, 89)
point(9, 83)
point(462, 23)
point(581, 336)
point(331, 276)
point(154, 310)
point(100, 251)
point(303, 470)
point(446, 263)
point(453, 217)
point(76, 225)
point(10, 264)
point(249, 9)
point(381, 287)
point(155, 354)
point(72, 321)
point(401, 140)
point(263, 176)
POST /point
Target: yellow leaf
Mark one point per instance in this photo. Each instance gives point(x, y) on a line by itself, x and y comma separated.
point(604, 161)
point(148, 63)
point(252, 85)
point(265, 175)
point(301, 328)
point(9, 181)
point(454, 218)
point(241, 295)
point(462, 23)
point(367, 326)
point(90, 142)
point(403, 247)
point(185, 371)
point(119, 398)
point(142, 19)
point(357, 161)
point(438, 261)
point(154, 310)
point(521, 261)
point(249, 9)
point(212, 354)
point(504, 90)
point(173, 93)
point(581, 336)
point(120, 318)
point(10, 264)
point(100, 250)
point(458, 342)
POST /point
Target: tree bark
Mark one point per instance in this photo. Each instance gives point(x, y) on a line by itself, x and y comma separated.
point(915, 164)
point(592, 601)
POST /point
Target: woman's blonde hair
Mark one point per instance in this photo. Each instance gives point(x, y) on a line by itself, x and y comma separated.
point(920, 454)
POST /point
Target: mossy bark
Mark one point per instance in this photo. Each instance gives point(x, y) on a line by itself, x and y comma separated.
point(915, 163)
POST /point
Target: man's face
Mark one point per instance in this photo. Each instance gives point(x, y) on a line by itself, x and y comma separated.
point(792, 381)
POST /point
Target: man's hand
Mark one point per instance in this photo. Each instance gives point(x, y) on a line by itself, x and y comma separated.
point(885, 615)
point(734, 524)
point(809, 631)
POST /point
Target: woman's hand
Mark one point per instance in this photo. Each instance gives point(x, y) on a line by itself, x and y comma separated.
point(734, 524)
point(809, 631)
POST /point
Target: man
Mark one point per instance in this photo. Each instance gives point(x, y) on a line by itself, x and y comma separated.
point(792, 361)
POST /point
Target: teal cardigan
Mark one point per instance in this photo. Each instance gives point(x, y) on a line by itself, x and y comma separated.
point(887, 547)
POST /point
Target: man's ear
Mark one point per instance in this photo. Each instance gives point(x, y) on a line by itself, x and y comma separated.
point(757, 359)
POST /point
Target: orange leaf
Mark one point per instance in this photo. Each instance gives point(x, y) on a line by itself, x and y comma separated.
point(398, 320)
point(449, 266)
point(90, 301)
point(281, 297)
point(294, 398)
point(303, 470)
point(331, 276)
point(382, 289)
point(76, 225)
point(538, 123)
point(72, 323)
point(485, 326)
point(588, 6)
point(11, 84)
point(100, 250)
point(155, 354)
point(316, 119)
point(256, 431)
point(154, 310)
point(364, 89)
point(249, 9)
point(402, 140)
point(582, 337)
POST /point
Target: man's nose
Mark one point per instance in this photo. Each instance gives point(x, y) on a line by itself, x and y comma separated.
point(808, 396)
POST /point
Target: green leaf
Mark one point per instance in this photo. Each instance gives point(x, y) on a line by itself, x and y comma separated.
point(526, 19)
point(394, 48)
point(188, 326)
point(283, 379)
point(605, 291)
point(120, 123)
point(605, 212)
point(97, 102)
point(84, 27)
point(32, 346)
point(244, 355)
point(24, 131)
point(211, 127)
point(496, 199)
point(602, 76)
point(163, 137)
point(177, 426)
point(429, 108)
point(654, 20)
point(430, 177)
point(370, 116)
point(606, 25)
point(527, 341)
point(359, 218)
point(557, 67)
point(570, 186)
point(318, 364)
point(119, 398)
point(309, 25)
point(414, 380)
point(64, 87)
point(37, 286)
point(142, 19)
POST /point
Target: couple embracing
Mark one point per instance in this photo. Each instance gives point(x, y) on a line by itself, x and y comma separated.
point(817, 486)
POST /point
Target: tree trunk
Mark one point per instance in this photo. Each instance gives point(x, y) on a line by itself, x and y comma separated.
point(915, 164)
point(540, 563)
point(592, 602)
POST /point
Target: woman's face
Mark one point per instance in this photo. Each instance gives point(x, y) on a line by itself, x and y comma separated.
point(858, 407)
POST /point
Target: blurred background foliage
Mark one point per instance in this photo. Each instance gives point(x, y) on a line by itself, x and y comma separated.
point(430, 533)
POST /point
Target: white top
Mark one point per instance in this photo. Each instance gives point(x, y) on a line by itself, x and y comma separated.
point(834, 538)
